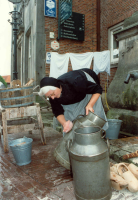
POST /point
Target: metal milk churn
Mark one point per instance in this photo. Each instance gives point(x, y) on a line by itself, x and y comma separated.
point(60, 153)
point(89, 158)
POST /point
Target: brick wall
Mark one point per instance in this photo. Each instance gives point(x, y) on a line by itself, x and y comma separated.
point(86, 7)
point(112, 13)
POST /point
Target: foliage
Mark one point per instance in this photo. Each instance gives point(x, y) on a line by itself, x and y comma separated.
point(3, 81)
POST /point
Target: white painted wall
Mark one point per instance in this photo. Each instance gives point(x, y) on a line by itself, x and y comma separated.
point(5, 37)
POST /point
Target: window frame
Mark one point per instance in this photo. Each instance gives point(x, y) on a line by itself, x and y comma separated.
point(111, 31)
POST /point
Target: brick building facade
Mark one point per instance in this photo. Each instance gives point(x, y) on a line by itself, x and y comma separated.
point(113, 13)
point(86, 7)
point(34, 40)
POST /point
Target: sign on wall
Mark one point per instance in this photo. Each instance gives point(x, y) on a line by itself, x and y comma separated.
point(73, 27)
point(65, 10)
point(48, 57)
point(50, 8)
point(55, 45)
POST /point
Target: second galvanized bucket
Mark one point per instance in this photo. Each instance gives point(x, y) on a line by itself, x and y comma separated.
point(89, 157)
point(114, 127)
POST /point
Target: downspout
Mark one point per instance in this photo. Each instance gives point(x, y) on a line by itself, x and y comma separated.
point(98, 28)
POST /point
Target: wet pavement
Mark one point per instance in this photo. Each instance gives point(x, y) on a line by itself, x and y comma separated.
point(43, 178)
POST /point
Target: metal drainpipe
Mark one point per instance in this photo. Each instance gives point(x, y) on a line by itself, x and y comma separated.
point(15, 29)
point(98, 28)
point(15, 23)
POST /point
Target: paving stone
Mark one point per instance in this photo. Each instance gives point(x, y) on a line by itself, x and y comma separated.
point(124, 146)
point(44, 178)
point(124, 195)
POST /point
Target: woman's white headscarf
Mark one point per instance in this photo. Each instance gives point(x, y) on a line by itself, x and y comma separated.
point(46, 89)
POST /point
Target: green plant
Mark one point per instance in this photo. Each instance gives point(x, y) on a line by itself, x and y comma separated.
point(3, 81)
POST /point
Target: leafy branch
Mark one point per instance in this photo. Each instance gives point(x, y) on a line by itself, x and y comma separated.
point(3, 81)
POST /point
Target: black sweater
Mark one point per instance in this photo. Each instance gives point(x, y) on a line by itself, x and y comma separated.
point(74, 89)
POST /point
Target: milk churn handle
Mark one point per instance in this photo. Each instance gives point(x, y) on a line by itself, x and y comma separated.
point(69, 143)
point(104, 133)
point(108, 145)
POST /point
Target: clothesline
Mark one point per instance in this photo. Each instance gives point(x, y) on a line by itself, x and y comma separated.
point(59, 62)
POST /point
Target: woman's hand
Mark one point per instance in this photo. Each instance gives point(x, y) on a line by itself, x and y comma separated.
point(67, 126)
point(89, 108)
point(91, 103)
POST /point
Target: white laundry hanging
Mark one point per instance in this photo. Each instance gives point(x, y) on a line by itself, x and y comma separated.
point(81, 60)
point(59, 64)
point(102, 62)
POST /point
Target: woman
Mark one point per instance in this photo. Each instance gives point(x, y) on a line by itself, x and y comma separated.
point(72, 94)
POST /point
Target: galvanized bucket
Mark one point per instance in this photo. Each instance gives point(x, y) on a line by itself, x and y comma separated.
point(114, 128)
point(60, 153)
point(22, 150)
point(89, 157)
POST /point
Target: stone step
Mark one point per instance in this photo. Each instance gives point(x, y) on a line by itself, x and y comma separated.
point(59, 129)
point(47, 117)
point(43, 112)
point(47, 123)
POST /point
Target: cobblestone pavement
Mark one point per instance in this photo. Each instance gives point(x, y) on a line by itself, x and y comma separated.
point(43, 178)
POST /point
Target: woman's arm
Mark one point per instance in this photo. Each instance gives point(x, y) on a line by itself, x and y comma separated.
point(61, 119)
point(59, 114)
point(67, 125)
point(91, 103)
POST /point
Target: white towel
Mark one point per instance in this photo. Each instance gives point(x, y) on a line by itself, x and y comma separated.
point(59, 64)
point(81, 60)
point(102, 62)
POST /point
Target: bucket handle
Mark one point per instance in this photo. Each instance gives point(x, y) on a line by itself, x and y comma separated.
point(68, 145)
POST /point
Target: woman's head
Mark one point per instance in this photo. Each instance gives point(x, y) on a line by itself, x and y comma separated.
point(50, 88)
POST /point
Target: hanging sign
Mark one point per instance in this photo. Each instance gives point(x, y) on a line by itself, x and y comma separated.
point(65, 10)
point(50, 8)
point(48, 57)
point(73, 27)
point(15, 1)
point(55, 45)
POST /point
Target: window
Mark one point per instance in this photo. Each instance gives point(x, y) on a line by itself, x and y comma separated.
point(113, 44)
